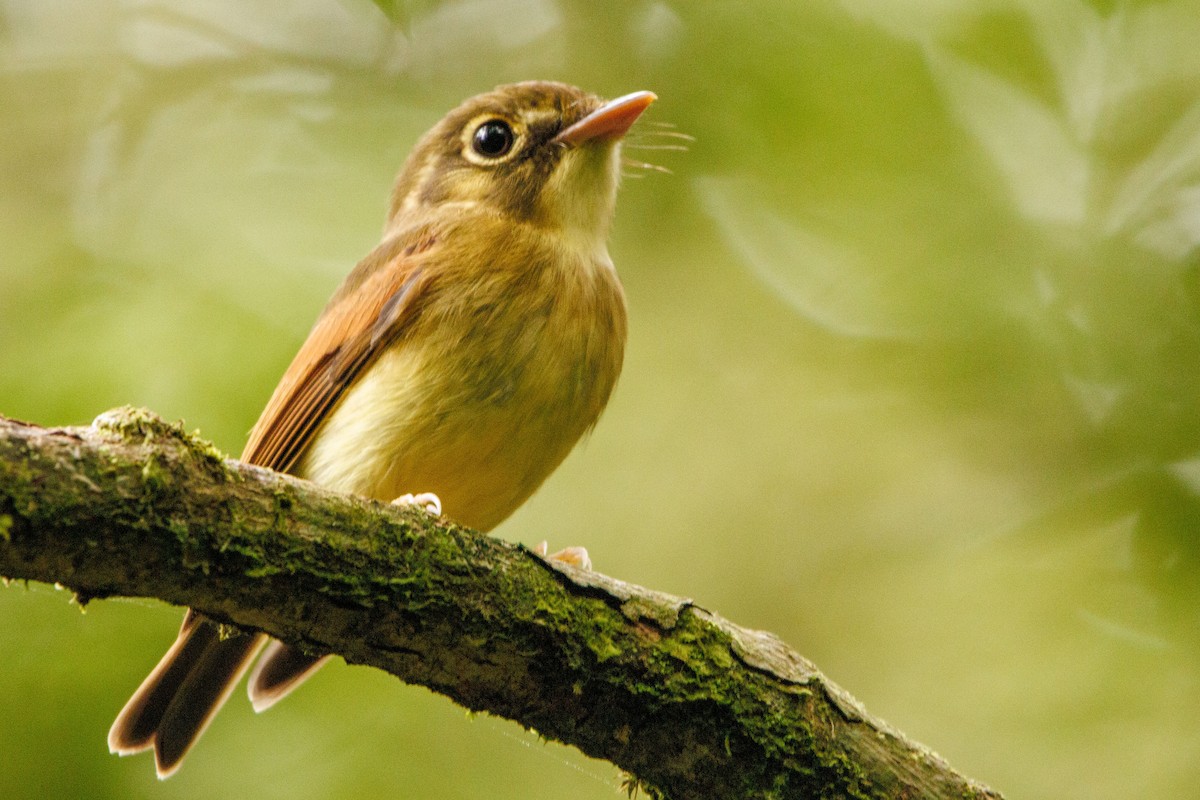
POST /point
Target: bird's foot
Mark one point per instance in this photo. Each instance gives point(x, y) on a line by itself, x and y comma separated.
point(575, 556)
point(430, 502)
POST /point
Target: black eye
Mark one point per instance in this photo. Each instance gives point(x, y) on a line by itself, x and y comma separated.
point(493, 138)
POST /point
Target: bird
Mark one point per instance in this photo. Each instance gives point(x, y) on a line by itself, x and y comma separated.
point(455, 367)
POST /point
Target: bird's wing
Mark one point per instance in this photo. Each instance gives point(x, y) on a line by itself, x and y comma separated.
point(373, 306)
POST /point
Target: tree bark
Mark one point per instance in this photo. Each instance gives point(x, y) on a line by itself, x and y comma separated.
point(689, 703)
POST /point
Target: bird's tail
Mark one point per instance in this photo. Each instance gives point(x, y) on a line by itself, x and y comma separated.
point(281, 669)
point(178, 699)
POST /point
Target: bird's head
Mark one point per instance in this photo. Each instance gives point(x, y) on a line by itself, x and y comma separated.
point(541, 153)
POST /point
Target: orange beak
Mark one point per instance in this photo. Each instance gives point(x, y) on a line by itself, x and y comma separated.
point(609, 121)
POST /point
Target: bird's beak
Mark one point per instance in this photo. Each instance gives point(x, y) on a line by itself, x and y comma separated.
point(609, 121)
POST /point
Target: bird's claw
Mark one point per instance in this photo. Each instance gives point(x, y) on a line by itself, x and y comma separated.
point(575, 556)
point(430, 502)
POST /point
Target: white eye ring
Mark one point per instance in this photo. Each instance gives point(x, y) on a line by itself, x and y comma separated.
point(491, 139)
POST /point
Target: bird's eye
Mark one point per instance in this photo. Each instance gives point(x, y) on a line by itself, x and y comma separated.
point(493, 139)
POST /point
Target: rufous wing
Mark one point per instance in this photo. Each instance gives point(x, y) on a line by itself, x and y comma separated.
point(367, 314)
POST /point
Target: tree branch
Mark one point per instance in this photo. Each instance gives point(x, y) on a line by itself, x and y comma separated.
point(691, 704)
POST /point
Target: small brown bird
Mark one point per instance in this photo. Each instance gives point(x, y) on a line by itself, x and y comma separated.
point(463, 359)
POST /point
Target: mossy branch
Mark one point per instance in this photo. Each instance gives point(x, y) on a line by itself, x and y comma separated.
point(691, 704)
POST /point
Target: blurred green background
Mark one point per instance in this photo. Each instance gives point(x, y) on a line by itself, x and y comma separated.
point(913, 376)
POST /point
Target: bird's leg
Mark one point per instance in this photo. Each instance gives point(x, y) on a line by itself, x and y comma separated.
point(575, 556)
point(426, 500)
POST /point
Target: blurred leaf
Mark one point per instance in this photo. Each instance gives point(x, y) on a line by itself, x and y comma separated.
point(1159, 201)
point(402, 12)
point(393, 9)
point(1036, 152)
point(827, 283)
point(918, 20)
point(1087, 53)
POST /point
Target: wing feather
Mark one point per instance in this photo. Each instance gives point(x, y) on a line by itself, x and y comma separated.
point(372, 308)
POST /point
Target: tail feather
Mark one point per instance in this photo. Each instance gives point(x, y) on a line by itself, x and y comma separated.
point(280, 670)
point(133, 730)
point(181, 695)
point(207, 687)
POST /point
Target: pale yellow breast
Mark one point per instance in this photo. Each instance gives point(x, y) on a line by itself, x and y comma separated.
point(479, 406)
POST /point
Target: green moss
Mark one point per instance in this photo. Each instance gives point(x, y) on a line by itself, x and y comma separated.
point(634, 787)
point(130, 422)
point(123, 421)
point(696, 662)
point(664, 614)
point(601, 632)
point(603, 648)
point(18, 482)
point(140, 425)
point(207, 451)
point(155, 476)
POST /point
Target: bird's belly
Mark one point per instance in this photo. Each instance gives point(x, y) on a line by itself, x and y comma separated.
point(411, 426)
